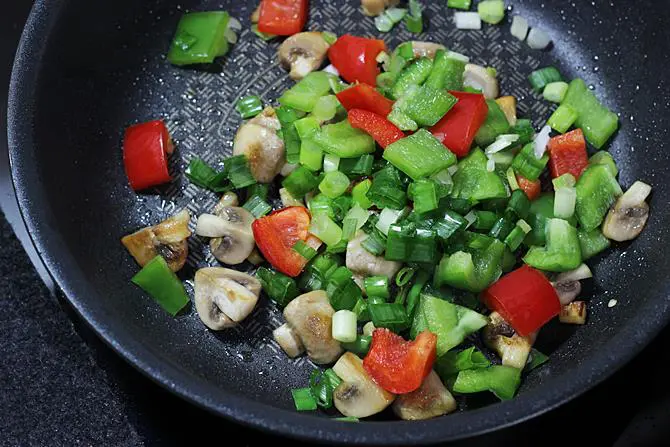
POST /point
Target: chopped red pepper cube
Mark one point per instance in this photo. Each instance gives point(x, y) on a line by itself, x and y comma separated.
point(363, 96)
point(282, 17)
point(457, 129)
point(397, 365)
point(567, 154)
point(524, 298)
point(382, 130)
point(145, 149)
point(532, 188)
point(356, 58)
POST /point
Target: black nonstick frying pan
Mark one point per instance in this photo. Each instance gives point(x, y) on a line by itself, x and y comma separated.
point(87, 69)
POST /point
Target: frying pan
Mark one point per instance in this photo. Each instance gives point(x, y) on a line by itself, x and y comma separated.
point(87, 69)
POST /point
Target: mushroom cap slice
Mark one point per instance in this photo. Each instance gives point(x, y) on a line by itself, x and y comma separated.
point(426, 49)
point(375, 7)
point(263, 148)
point(512, 348)
point(626, 220)
point(478, 77)
point(288, 340)
point(267, 118)
point(361, 261)
point(227, 199)
point(235, 242)
point(216, 292)
point(168, 239)
point(303, 53)
point(430, 400)
point(310, 315)
point(358, 395)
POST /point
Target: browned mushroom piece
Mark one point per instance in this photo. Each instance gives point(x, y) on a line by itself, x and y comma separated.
point(259, 142)
point(432, 399)
point(512, 348)
point(573, 313)
point(375, 7)
point(568, 285)
point(426, 49)
point(479, 77)
point(303, 53)
point(627, 218)
point(362, 262)
point(232, 238)
point(168, 239)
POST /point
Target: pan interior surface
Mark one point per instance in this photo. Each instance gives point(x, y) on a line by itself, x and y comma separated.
point(86, 70)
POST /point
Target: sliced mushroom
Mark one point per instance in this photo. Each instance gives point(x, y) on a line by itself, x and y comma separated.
point(256, 15)
point(375, 7)
point(288, 340)
point(310, 315)
point(224, 297)
point(568, 285)
point(573, 313)
point(426, 49)
point(369, 328)
point(432, 399)
point(361, 261)
point(508, 106)
point(626, 220)
point(228, 199)
point(303, 53)
point(168, 239)
point(512, 348)
point(233, 239)
point(478, 77)
point(259, 142)
point(358, 395)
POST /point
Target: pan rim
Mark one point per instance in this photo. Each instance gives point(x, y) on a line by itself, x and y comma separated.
point(628, 341)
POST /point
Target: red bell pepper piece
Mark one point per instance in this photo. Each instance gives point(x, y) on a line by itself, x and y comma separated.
point(397, 365)
point(524, 298)
point(356, 58)
point(567, 154)
point(282, 17)
point(532, 188)
point(363, 96)
point(145, 149)
point(382, 130)
point(277, 233)
point(457, 129)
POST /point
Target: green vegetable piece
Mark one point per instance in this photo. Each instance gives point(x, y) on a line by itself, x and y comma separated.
point(563, 118)
point(305, 94)
point(527, 164)
point(237, 170)
point(414, 20)
point(303, 399)
point(287, 116)
point(279, 288)
point(424, 195)
point(491, 11)
point(535, 360)
point(311, 155)
point(562, 251)
point(597, 122)
point(597, 190)
point(359, 194)
point(162, 285)
point(453, 75)
point(257, 206)
point(496, 124)
point(200, 38)
point(388, 315)
point(471, 272)
point(325, 108)
point(387, 190)
point(344, 141)
point(438, 74)
point(334, 184)
point(401, 120)
point(459, 4)
point(300, 182)
point(555, 91)
point(539, 79)
point(342, 291)
point(503, 381)
point(415, 74)
point(360, 346)
point(450, 322)
point(541, 209)
point(473, 181)
point(592, 242)
point(604, 158)
point(249, 106)
point(205, 176)
point(419, 155)
point(451, 363)
point(523, 128)
point(426, 105)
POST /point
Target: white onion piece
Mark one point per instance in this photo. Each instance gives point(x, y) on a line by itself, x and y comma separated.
point(519, 28)
point(635, 195)
point(538, 39)
point(471, 218)
point(541, 141)
point(467, 20)
point(231, 36)
point(209, 225)
point(331, 69)
point(502, 142)
point(387, 218)
point(287, 169)
point(457, 56)
point(490, 165)
point(581, 272)
point(234, 24)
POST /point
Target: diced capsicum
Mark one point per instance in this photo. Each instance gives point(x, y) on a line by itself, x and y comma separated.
point(562, 251)
point(356, 58)
point(597, 190)
point(425, 105)
point(282, 17)
point(597, 122)
point(473, 181)
point(532, 188)
point(162, 284)
point(382, 130)
point(415, 74)
point(457, 129)
point(200, 38)
point(567, 154)
point(304, 95)
point(495, 124)
point(527, 164)
point(450, 322)
point(592, 242)
point(366, 97)
point(419, 155)
point(343, 140)
point(145, 149)
point(524, 298)
point(502, 381)
point(471, 271)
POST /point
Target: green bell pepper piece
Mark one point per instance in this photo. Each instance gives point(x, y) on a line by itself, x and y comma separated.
point(453, 76)
point(597, 122)
point(200, 38)
point(304, 95)
point(592, 242)
point(503, 381)
point(287, 116)
point(438, 74)
point(450, 322)
point(451, 363)
point(425, 105)
point(527, 164)
point(562, 251)
point(473, 272)
point(473, 181)
point(344, 141)
point(597, 190)
point(419, 155)
point(496, 124)
point(604, 158)
point(415, 74)
point(162, 284)
point(541, 209)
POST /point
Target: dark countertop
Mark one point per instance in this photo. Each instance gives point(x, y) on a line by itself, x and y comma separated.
point(60, 385)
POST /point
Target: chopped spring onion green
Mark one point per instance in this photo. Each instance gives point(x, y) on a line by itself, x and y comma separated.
point(249, 106)
point(423, 193)
point(237, 170)
point(360, 346)
point(325, 108)
point(349, 228)
point(502, 381)
point(300, 182)
point(279, 288)
point(511, 179)
point(404, 276)
point(303, 399)
point(342, 291)
point(459, 4)
point(454, 362)
point(334, 184)
point(261, 34)
point(358, 215)
point(484, 220)
point(538, 39)
point(387, 190)
point(414, 20)
point(205, 176)
point(389, 315)
point(304, 250)
point(409, 244)
point(555, 91)
point(563, 118)
point(389, 18)
point(502, 142)
point(377, 286)
point(519, 28)
point(491, 11)
point(325, 229)
point(470, 218)
point(523, 128)
point(539, 79)
point(162, 285)
point(257, 206)
point(344, 326)
point(258, 189)
point(287, 116)
point(527, 164)
point(519, 204)
point(387, 218)
point(330, 162)
point(357, 166)
point(467, 20)
point(329, 37)
point(359, 194)
point(517, 235)
point(375, 243)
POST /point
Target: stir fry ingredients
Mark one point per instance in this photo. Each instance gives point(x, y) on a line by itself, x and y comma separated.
point(416, 230)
